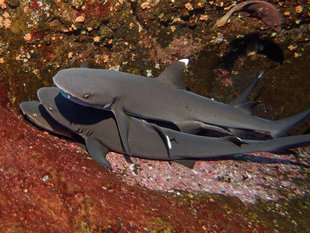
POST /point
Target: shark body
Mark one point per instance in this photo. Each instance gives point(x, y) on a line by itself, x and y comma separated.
point(163, 99)
point(100, 132)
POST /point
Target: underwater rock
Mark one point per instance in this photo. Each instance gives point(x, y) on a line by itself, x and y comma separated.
point(48, 183)
point(13, 3)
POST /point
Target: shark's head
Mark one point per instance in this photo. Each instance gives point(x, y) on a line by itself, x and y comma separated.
point(35, 113)
point(68, 113)
point(57, 106)
point(47, 97)
point(88, 87)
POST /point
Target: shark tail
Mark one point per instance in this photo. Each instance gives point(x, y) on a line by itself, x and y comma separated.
point(277, 145)
point(285, 125)
point(285, 143)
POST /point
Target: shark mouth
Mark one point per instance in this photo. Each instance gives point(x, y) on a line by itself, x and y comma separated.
point(106, 107)
point(64, 94)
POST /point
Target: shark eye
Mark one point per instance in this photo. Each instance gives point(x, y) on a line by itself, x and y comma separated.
point(50, 108)
point(85, 96)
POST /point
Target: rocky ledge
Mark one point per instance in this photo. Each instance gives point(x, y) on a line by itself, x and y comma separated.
point(50, 184)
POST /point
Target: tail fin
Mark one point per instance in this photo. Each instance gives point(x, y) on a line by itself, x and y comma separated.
point(285, 125)
point(280, 144)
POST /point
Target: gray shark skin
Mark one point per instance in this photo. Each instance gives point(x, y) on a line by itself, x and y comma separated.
point(99, 129)
point(38, 115)
point(164, 99)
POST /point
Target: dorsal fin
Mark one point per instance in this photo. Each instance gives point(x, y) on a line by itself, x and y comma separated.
point(247, 107)
point(173, 74)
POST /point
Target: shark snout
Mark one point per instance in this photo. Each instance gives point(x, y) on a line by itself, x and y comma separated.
point(65, 79)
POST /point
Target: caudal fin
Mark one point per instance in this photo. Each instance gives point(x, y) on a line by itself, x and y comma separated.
point(279, 145)
point(285, 125)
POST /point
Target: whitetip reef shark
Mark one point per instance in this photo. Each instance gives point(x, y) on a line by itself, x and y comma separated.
point(162, 99)
point(100, 132)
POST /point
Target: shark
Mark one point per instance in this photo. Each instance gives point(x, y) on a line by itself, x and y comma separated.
point(163, 98)
point(36, 113)
point(100, 133)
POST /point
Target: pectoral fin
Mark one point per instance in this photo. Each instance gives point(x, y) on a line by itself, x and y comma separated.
point(98, 152)
point(122, 122)
point(164, 137)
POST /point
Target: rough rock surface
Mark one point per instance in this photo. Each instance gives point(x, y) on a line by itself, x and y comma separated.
point(50, 184)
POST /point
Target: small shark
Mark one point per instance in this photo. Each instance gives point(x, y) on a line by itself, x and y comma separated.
point(162, 99)
point(39, 116)
point(100, 132)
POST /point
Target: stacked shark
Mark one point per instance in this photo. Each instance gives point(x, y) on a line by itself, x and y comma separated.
point(114, 111)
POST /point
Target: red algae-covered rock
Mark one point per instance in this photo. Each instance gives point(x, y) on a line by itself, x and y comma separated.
point(257, 176)
point(48, 184)
point(3, 94)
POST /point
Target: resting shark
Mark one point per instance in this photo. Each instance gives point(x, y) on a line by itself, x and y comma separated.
point(100, 131)
point(163, 99)
point(38, 115)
